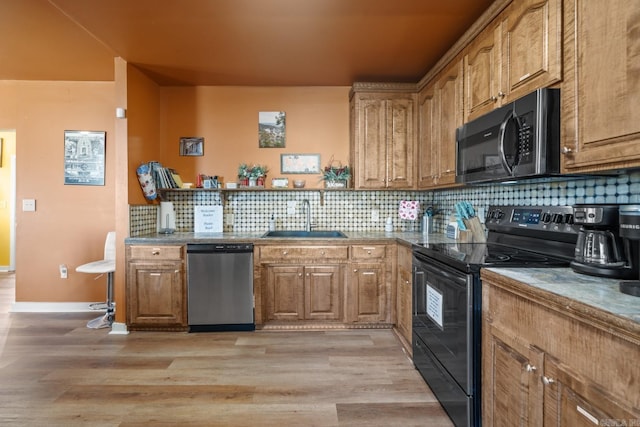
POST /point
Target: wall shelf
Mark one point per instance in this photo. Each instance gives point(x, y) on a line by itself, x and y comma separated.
point(223, 191)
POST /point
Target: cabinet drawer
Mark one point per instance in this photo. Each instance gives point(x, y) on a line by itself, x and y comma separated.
point(307, 252)
point(155, 252)
point(369, 252)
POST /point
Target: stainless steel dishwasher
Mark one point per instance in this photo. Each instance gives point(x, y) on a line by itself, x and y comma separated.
point(220, 287)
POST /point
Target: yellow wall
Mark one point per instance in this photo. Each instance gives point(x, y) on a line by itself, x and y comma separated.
point(227, 118)
point(70, 222)
point(8, 149)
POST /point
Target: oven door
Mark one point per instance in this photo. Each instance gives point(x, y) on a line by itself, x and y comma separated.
point(443, 317)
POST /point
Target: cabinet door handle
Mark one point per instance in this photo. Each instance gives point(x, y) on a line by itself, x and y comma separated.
point(494, 98)
point(299, 274)
point(284, 253)
point(566, 150)
point(307, 274)
point(355, 270)
point(407, 282)
point(322, 253)
point(530, 368)
point(155, 252)
point(546, 380)
point(501, 94)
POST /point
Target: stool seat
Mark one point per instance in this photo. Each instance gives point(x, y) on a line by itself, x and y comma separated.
point(104, 266)
point(97, 267)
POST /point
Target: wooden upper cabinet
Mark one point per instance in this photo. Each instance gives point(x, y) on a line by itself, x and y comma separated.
point(531, 46)
point(482, 72)
point(440, 113)
point(601, 90)
point(426, 147)
point(520, 51)
point(449, 116)
point(383, 139)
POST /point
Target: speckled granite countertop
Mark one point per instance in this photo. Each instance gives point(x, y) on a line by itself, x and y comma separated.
point(180, 238)
point(592, 296)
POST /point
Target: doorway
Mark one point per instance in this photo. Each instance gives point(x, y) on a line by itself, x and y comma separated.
point(7, 199)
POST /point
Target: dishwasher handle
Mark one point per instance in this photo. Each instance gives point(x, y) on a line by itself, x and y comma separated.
point(210, 248)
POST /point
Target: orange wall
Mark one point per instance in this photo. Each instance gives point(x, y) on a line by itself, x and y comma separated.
point(70, 222)
point(227, 118)
point(143, 119)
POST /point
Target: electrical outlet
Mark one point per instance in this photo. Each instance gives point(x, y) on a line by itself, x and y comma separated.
point(375, 215)
point(63, 271)
point(291, 207)
point(28, 205)
point(229, 219)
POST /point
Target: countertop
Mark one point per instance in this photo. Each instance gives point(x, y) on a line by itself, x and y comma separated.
point(180, 238)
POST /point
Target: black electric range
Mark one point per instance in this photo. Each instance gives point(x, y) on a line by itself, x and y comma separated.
point(447, 296)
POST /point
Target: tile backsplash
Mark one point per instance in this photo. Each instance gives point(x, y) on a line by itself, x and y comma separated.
point(348, 210)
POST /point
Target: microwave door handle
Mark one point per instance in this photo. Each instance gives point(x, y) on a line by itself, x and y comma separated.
point(503, 156)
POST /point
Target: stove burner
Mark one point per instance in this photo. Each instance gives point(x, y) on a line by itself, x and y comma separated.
point(529, 257)
point(496, 258)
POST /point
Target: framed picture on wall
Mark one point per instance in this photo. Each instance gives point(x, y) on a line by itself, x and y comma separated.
point(271, 129)
point(192, 146)
point(300, 163)
point(84, 157)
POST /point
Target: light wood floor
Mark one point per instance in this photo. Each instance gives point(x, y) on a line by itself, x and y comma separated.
point(56, 372)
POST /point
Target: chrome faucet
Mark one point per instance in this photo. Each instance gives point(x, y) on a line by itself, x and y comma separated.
point(307, 206)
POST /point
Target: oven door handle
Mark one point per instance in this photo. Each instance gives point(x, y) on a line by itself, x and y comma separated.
point(440, 269)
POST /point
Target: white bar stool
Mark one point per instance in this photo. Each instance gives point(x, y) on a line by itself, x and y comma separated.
point(104, 266)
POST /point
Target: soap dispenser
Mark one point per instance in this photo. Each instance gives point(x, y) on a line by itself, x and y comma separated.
point(388, 227)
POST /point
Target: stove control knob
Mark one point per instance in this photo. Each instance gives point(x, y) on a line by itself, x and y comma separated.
point(568, 218)
point(557, 218)
point(546, 217)
point(498, 214)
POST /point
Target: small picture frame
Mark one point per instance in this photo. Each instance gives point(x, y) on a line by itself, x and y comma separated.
point(272, 127)
point(300, 163)
point(192, 146)
point(84, 157)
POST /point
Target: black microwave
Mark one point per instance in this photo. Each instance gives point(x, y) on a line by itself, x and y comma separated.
point(519, 140)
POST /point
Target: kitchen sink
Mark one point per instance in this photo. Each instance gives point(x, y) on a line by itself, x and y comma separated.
point(316, 234)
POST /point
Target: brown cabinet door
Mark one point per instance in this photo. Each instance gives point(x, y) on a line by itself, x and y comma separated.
point(400, 141)
point(156, 294)
point(285, 292)
point(366, 299)
point(427, 164)
point(403, 294)
point(372, 144)
point(531, 46)
point(511, 386)
point(322, 287)
point(482, 73)
point(572, 400)
point(448, 93)
point(601, 90)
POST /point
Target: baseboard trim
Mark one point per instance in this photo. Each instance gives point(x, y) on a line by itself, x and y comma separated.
point(119, 329)
point(51, 307)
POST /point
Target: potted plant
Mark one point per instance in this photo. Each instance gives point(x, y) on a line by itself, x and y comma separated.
point(252, 176)
point(336, 175)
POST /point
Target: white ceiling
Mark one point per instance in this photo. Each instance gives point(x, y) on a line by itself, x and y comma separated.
point(231, 42)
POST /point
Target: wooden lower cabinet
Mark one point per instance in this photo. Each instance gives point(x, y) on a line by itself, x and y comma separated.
point(296, 292)
point(366, 293)
point(156, 288)
point(335, 284)
point(404, 294)
point(545, 366)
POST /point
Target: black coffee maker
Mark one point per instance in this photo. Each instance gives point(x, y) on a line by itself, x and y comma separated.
point(600, 251)
point(630, 231)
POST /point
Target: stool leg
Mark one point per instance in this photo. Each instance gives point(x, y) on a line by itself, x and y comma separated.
point(107, 320)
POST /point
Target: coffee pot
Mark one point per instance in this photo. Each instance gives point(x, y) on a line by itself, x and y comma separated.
point(630, 231)
point(600, 251)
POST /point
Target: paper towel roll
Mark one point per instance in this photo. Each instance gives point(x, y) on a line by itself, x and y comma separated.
point(166, 217)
